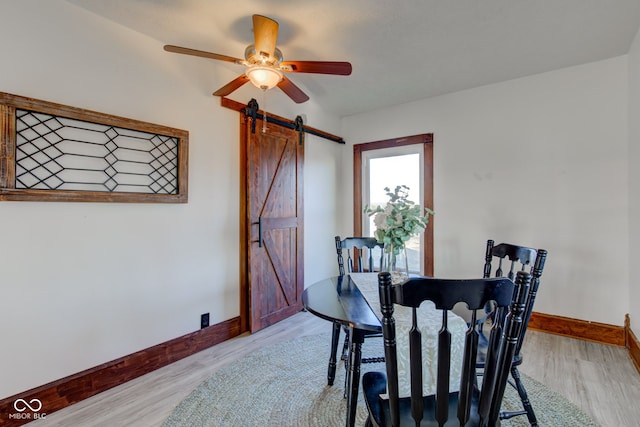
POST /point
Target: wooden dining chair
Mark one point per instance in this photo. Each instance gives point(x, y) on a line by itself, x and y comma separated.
point(470, 404)
point(358, 250)
point(514, 258)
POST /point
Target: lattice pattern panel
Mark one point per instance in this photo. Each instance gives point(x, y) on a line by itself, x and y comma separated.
point(58, 153)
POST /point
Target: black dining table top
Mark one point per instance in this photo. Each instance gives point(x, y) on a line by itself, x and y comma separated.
point(339, 299)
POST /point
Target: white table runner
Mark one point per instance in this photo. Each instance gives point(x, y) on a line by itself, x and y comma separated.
point(430, 321)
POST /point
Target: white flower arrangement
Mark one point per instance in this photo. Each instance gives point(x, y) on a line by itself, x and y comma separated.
point(398, 221)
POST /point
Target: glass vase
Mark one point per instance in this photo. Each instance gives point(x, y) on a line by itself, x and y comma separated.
point(397, 265)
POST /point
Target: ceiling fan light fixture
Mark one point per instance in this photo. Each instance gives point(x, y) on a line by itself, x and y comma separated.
point(264, 77)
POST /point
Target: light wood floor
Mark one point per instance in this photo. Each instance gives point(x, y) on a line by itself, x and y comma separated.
point(600, 379)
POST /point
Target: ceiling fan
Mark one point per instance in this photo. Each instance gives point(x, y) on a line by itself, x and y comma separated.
point(265, 65)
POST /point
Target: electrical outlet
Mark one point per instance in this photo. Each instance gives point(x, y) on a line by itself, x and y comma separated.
point(204, 320)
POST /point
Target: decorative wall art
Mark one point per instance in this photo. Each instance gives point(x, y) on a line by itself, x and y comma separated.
point(53, 152)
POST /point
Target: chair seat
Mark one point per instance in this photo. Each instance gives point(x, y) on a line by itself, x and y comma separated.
point(375, 383)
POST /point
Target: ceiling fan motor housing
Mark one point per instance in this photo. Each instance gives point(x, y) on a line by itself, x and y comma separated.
point(263, 58)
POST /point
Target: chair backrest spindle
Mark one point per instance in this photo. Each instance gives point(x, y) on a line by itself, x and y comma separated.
point(536, 273)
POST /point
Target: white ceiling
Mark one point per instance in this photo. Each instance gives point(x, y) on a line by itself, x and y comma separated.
point(400, 50)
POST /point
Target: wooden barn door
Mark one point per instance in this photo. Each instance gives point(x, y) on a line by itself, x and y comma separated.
point(273, 225)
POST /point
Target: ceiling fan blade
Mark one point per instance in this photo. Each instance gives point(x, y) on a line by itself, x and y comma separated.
point(265, 34)
point(201, 53)
point(317, 67)
point(232, 85)
point(293, 91)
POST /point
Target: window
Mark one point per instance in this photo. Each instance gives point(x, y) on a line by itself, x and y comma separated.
point(403, 161)
point(388, 168)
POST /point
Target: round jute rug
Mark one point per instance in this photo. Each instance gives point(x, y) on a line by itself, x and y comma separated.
point(285, 385)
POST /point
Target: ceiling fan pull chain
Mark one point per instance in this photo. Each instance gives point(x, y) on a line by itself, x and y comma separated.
point(264, 111)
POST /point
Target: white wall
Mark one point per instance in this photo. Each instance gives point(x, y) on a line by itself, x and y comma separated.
point(634, 182)
point(82, 283)
point(323, 179)
point(539, 161)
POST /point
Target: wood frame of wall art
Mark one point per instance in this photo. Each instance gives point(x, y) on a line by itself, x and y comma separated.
point(54, 152)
